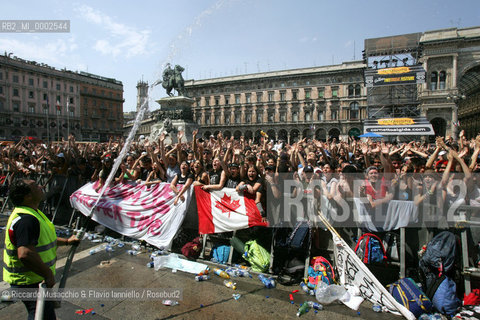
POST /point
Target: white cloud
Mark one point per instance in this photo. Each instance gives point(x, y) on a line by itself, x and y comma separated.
point(306, 39)
point(349, 43)
point(55, 52)
point(122, 40)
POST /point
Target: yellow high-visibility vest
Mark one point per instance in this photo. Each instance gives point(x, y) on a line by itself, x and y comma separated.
point(14, 271)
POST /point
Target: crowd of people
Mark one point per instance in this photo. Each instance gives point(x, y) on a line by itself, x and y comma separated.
point(417, 171)
point(439, 175)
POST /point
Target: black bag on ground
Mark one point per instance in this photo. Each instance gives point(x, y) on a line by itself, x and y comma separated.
point(438, 261)
point(290, 250)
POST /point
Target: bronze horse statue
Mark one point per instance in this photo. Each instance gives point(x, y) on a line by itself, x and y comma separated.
point(172, 79)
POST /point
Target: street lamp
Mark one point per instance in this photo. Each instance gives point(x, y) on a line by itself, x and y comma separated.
point(455, 98)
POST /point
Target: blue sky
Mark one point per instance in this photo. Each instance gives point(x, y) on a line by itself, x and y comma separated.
point(131, 40)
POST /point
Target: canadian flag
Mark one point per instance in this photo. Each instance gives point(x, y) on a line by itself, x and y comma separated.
point(226, 210)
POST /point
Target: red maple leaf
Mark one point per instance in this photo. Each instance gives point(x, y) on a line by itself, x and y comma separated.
point(227, 205)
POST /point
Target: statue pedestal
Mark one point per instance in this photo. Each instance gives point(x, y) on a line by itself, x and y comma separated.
point(175, 115)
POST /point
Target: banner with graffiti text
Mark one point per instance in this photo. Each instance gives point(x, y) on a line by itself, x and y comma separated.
point(137, 211)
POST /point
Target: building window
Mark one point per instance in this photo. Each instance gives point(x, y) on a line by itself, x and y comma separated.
point(259, 117)
point(271, 117)
point(294, 95)
point(227, 100)
point(15, 79)
point(295, 116)
point(85, 112)
point(307, 94)
point(71, 100)
point(358, 90)
point(207, 119)
point(45, 84)
point(71, 111)
point(1, 76)
point(351, 90)
point(30, 82)
point(334, 92)
point(321, 92)
point(15, 93)
point(59, 112)
point(248, 118)
point(238, 117)
point(259, 96)
point(442, 77)
point(320, 115)
point(45, 97)
point(31, 108)
point(227, 118)
point(307, 116)
point(270, 96)
point(1, 90)
point(334, 114)
point(433, 80)
point(283, 116)
point(71, 90)
point(217, 101)
point(16, 107)
point(59, 87)
point(237, 98)
point(282, 96)
point(30, 95)
point(248, 98)
point(207, 101)
point(354, 107)
point(1, 105)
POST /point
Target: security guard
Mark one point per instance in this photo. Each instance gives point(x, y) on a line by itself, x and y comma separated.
point(30, 244)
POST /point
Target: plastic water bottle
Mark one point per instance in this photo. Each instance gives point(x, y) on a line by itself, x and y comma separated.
point(244, 273)
point(150, 264)
point(230, 284)
point(96, 250)
point(239, 266)
point(307, 289)
point(236, 296)
point(133, 252)
point(268, 282)
point(169, 302)
point(221, 273)
point(204, 272)
point(315, 305)
point(232, 272)
point(302, 310)
point(377, 308)
point(202, 277)
point(108, 248)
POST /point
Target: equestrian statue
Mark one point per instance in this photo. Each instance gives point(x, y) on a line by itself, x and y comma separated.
point(172, 79)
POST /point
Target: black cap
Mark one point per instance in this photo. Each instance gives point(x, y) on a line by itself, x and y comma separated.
point(270, 168)
point(233, 165)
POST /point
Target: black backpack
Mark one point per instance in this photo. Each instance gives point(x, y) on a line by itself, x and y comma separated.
point(290, 250)
point(438, 261)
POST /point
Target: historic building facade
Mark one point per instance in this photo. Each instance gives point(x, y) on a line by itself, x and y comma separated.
point(40, 101)
point(289, 105)
point(450, 98)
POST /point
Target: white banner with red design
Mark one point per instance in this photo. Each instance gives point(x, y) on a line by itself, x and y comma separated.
point(137, 211)
point(226, 210)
